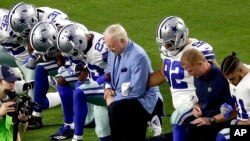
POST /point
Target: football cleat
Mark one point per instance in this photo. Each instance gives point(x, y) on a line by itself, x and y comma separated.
point(90, 125)
point(155, 125)
point(63, 133)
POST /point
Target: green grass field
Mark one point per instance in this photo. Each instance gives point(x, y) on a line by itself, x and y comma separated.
point(224, 24)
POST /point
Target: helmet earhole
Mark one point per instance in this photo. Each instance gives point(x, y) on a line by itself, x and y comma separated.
point(181, 36)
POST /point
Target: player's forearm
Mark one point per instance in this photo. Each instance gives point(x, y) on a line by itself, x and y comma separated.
point(155, 79)
point(245, 122)
point(221, 118)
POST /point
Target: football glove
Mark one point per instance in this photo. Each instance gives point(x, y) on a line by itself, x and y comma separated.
point(226, 110)
point(65, 72)
point(101, 79)
point(31, 61)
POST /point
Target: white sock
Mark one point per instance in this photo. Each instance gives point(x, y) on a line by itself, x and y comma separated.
point(71, 125)
point(54, 99)
point(36, 114)
point(77, 137)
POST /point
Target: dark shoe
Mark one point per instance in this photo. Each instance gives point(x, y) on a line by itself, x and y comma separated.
point(34, 123)
point(162, 137)
point(155, 125)
point(63, 133)
point(90, 125)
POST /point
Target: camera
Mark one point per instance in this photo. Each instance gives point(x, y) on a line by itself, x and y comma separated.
point(23, 104)
point(28, 85)
point(23, 86)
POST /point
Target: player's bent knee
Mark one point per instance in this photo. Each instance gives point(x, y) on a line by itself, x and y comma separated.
point(61, 81)
point(179, 115)
point(223, 135)
point(79, 95)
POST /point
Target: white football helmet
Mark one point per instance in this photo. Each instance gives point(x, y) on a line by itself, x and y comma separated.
point(43, 37)
point(22, 17)
point(71, 40)
point(172, 34)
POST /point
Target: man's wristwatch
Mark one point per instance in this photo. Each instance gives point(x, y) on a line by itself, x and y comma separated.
point(212, 120)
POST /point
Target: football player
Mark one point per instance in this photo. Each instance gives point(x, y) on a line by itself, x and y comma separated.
point(12, 51)
point(43, 41)
point(172, 36)
point(238, 75)
point(22, 18)
point(89, 48)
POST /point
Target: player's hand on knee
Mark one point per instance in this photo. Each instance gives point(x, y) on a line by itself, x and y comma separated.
point(201, 121)
point(108, 93)
point(30, 62)
point(197, 111)
point(109, 100)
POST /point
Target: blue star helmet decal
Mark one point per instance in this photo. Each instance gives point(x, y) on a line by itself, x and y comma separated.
point(174, 29)
point(44, 40)
point(70, 37)
point(22, 20)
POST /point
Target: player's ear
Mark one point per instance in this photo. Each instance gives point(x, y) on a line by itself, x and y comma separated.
point(123, 41)
point(198, 64)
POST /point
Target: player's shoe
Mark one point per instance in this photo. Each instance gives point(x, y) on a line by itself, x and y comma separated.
point(34, 123)
point(155, 125)
point(90, 125)
point(63, 133)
